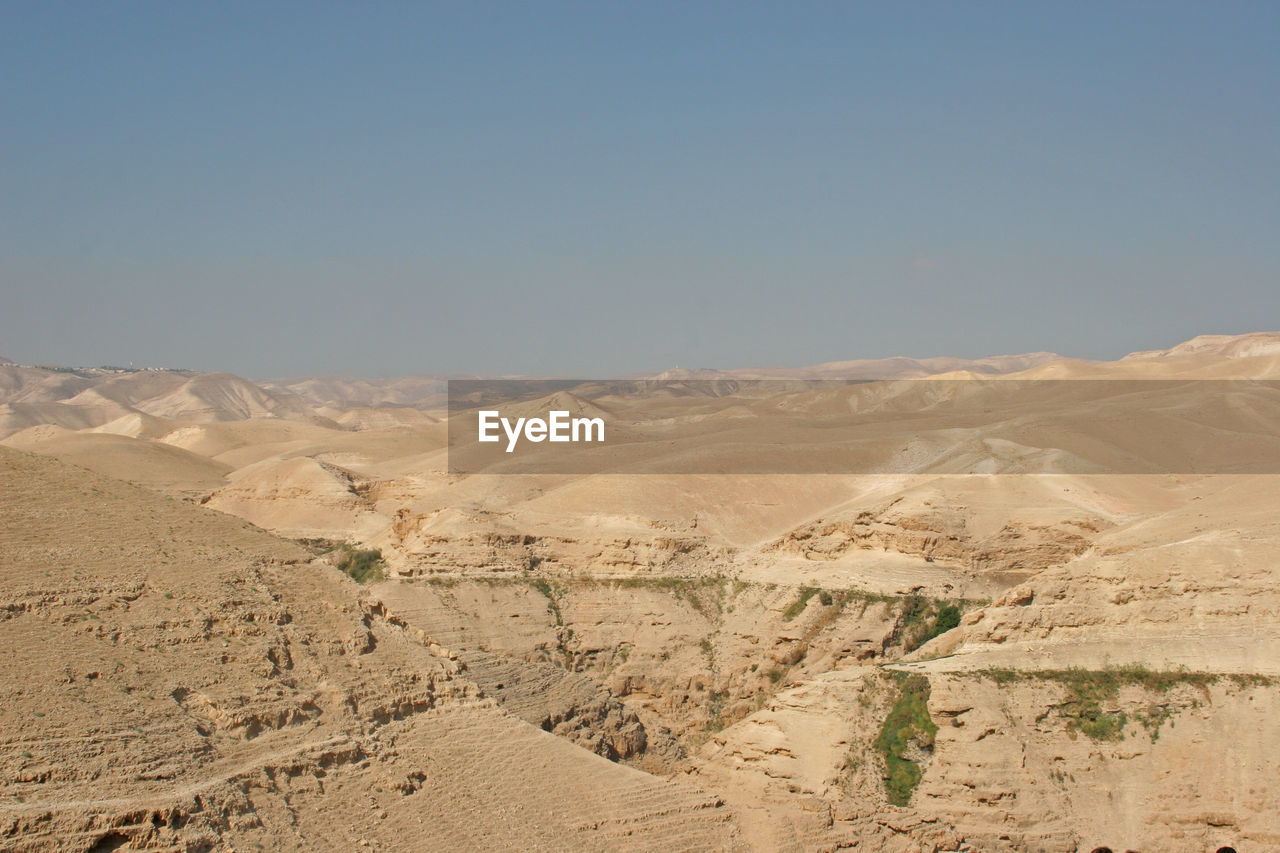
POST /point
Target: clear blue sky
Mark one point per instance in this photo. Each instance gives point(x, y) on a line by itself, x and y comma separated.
point(596, 188)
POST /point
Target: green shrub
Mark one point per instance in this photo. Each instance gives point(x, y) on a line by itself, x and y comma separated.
point(908, 723)
point(923, 619)
point(552, 592)
point(797, 607)
point(1101, 725)
point(361, 564)
point(948, 618)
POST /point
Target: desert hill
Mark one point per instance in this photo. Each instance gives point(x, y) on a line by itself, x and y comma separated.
point(1066, 567)
point(429, 393)
point(1217, 346)
point(350, 392)
point(1252, 356)
point(180, 680)
point(1182, 588)
point(86, 398)
point(899, 367)
point(150, 463)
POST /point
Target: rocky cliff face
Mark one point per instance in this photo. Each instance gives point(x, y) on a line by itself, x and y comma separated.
point(177, 679)
point(1026, 764)
point(944, 535)
point(1089, 705)
point(1188, 587)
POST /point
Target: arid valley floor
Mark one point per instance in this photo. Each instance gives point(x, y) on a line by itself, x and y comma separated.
point(922, 658)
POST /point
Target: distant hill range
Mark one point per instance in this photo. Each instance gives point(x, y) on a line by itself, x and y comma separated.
point(97, 397)
point(899, 367)
point(350, 392)
point(431, 392)
point(85, 398)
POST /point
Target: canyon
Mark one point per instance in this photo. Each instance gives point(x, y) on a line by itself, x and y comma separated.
point(976, 646)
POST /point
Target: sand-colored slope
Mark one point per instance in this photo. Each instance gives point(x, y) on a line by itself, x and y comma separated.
point(177, 679)
point(16, 416)
point(136, 425)
point(351, 392)
point(1216, 348)
point(1251, 356)
point(191, 397)
point(161, 466)
point(241, 443)
point(899, 367)
point(301, 497)
point(40, 385)
point(87, 398)
point(1190, 587)
point(363, 419)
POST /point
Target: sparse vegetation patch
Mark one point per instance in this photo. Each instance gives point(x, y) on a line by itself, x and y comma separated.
point(363, 565)
point(553, 592)
point(1086, 691)
point(797, 607)
point(923, 619)
point(908, 732)
point(705, 593)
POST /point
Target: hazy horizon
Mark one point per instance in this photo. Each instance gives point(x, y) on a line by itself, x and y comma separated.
point(315, 189)
point(514, 375)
